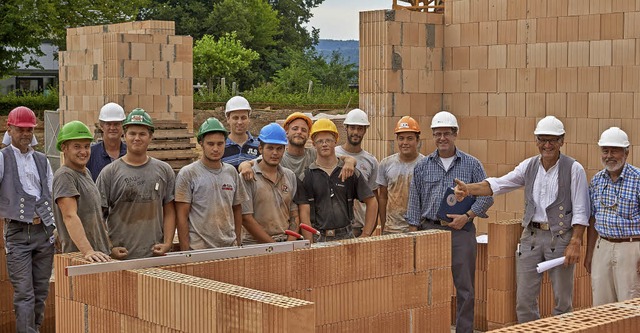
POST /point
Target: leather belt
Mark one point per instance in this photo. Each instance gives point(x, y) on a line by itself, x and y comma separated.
point(438, 222)
point(621, 240)
point(333, 232)
point(36, 221)
point(541, 226)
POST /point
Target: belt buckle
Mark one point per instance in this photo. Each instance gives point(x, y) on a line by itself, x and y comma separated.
point(544, 226)
point(330, 233)
point(443, 223)
point(36, 221)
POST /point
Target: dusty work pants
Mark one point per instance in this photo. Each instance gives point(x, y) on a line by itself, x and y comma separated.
point(29, 262)
point(614, 276)
point(463, 268)
point(537, 246)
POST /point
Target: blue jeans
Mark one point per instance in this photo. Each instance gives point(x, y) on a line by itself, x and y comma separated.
point(29, 263)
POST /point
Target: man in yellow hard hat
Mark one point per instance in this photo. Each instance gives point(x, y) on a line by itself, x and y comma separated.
point(325, 201)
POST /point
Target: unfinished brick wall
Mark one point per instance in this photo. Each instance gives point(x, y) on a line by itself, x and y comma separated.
point(500, 66)
point(135, 64)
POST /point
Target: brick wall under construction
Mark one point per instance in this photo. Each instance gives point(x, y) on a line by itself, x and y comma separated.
point(500, 66)
point(135, 64)
point(376, 284)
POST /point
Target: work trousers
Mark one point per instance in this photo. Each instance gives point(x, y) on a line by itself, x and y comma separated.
point(29, 262)
point(536, 246)
point(614, 275)
point(463, 268)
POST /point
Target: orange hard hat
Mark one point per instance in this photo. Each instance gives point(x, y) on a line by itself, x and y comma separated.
point(294, 116)
point(407, 124)
point(22, 116)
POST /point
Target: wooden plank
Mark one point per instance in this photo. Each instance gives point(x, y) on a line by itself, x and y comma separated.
point(171, 134)
point(171, 144)
point(176, 165)
point(172, 154)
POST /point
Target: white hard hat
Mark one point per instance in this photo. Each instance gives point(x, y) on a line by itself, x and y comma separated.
point(549, 125)
point(614, 137)
point(356, 117)
point(111, 112)
point(237, 103)
point(444, 119)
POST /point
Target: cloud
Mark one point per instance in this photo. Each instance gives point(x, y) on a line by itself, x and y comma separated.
point(340, 19)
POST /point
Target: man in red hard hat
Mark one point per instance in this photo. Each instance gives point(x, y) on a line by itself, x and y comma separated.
point(26, 205)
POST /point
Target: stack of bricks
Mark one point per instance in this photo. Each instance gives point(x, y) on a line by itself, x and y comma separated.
point(135, 64)
point(157, 300)
point(359, 285)
point(614, 317)
point(482, 271)
point(7, 316)
point(505, 64)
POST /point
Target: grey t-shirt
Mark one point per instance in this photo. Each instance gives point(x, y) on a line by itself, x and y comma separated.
point(69, 183)
point(396, 176)
point(298, 164)
point(135, 197)
point(367, 164)
point(212, 194)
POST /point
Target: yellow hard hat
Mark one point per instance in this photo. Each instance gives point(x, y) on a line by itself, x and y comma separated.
point(324, 125)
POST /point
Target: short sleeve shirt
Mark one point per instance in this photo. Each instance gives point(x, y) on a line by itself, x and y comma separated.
point(270, 203)
point(235, 154)
point(69, 183)
point(367, 164)
point(212, 194)
point(99, 158)
point(298, 164)
point(135, 197)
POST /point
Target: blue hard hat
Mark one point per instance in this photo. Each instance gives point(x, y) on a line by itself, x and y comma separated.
point(274, 134)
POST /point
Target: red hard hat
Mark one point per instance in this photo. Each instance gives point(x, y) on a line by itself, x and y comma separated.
point(22, 116)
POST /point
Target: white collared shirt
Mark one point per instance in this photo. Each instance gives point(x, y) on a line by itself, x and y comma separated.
point(28, 172)
point(545, 189)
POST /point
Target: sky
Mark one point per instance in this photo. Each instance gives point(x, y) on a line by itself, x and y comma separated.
point(339, 19)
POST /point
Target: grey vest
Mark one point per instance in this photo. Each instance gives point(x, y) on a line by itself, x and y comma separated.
point(559, 212)
point(15, 203)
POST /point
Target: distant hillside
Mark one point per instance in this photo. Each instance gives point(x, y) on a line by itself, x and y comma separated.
point(348, 49)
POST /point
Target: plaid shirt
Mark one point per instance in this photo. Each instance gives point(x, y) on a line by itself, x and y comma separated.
point(235, 154)
point(616, 206)
point(430, 181)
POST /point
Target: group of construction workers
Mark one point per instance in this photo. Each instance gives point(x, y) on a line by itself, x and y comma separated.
point(111, 200)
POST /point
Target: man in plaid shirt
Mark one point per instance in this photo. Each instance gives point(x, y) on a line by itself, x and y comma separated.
point(613, 238)
point(431, 177)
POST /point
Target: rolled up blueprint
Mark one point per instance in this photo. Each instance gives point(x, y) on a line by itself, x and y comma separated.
point(549, 264)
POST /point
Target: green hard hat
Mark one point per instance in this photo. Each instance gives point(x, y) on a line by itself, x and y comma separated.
point(139, 117)
point(211, 125)
point(73, 130)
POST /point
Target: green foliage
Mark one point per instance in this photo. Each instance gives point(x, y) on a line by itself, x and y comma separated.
point(35, 101)
point(222, 58)
point(294, 78)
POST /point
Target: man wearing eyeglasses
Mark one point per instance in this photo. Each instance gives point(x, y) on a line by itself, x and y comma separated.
point(555, 217)
point(324, 200)
point(431, 178)
point(613, 251)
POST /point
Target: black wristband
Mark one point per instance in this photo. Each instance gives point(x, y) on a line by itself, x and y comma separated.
point(468, 216)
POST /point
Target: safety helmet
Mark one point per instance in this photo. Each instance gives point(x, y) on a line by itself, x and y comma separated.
point(111, 112)
point(444, 119)
point(407, 124)
point(237, 103)
point(324, 125)
point(22, 116)
point(139, 117)
point(297, 115)
point(274, 134)
point(73, 130)
point(356, 117)
point(549, 125)
point(614, 137)
point(211, 125)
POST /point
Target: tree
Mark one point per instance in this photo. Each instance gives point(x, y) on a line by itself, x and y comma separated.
point(190, 16)
point(24, 25)
point(294, 14)
point(222, 58)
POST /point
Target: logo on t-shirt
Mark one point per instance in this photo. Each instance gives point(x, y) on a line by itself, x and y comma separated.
point(227, 187)
point(252, 151)
point(285, 188)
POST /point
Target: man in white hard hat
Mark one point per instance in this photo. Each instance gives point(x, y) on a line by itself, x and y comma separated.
point(111, 147)
point(613, 239)
point(431, 178)
point(356, 124)
point(241, 145)
point(556, 214)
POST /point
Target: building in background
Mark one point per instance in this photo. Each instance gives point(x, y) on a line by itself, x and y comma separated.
point(34, 79)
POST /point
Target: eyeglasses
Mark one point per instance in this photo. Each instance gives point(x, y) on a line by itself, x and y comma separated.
point(610, 200)
point(545, 141)
point(324, 142)
point(443, 135)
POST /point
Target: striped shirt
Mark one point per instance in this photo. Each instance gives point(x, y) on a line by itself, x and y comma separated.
point(616, 205)
point(430, 181)
point(235, 154)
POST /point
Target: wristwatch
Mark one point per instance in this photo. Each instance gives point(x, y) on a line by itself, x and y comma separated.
point(468, 217)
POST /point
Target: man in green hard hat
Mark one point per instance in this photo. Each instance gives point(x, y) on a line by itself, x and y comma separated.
point(137, 195)
point(209, 195)
point(77, 197)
